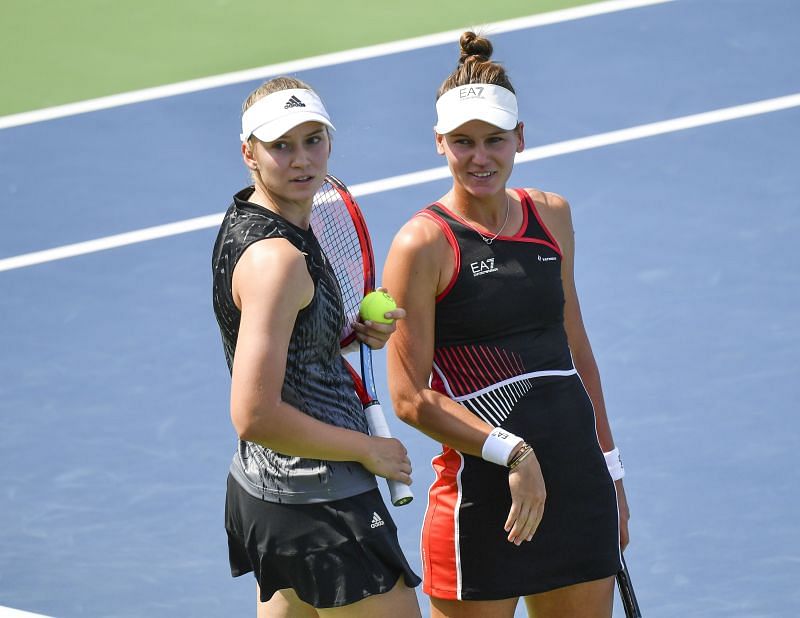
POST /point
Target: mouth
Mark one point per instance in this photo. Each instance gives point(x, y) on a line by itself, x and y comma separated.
point(302, 179)
point(482, 175)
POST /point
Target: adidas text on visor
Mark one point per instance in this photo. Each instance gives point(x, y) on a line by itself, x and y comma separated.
point(493, 104)
point(279, 112)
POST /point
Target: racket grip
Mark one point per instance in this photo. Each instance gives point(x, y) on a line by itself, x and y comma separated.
point(626, 593)
point(400, 492)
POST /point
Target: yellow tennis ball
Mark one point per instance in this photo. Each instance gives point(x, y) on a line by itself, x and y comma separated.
point(375, 304)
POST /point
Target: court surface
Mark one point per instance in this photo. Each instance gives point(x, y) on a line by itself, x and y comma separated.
point(115, 438)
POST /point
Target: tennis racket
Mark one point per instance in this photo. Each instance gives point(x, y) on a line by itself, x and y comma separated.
point(342, 233)
point(626, 593)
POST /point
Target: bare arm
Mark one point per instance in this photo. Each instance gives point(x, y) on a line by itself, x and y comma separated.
point(271, 285)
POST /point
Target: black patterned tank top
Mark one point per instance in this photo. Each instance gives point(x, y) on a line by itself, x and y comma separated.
point(316, 381)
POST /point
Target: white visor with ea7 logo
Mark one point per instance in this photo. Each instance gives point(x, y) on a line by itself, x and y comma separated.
point(493, 104)
point(273, 115)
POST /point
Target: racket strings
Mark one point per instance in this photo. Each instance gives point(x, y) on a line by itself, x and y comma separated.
point(341, 243)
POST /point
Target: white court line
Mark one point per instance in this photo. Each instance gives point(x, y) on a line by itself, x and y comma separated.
point(429, 175)
point(7, 612)
point(315, 62)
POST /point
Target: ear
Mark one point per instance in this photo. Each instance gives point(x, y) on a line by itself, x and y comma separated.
point(520, 131)
point(248, 157)
point(439, 142)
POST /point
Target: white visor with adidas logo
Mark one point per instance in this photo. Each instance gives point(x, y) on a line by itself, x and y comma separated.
point(279, 112)
point(493, 104)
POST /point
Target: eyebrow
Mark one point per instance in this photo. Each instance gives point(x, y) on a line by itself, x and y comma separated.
point(500, 132)
point(315, 132)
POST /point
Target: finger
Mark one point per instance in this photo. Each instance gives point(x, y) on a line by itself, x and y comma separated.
point(372, 342)
point(624, 539)
point(379, 328)
point(396, 314)
point(512, 517)
point(534, 520)
point(537, 519)
point(518, 523)
point(380, 335)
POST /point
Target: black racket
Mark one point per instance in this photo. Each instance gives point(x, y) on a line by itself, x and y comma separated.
point(626, 593)
point(339, 226)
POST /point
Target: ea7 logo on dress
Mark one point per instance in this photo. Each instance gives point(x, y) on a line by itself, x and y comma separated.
point(483, 267)
point(469, 92)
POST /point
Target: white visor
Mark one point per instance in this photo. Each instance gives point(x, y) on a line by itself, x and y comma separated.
point(279, 112)
point(493, 104)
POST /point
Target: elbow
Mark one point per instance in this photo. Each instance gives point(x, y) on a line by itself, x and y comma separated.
point(242, 425)
point(406, 408)
point(247, 424)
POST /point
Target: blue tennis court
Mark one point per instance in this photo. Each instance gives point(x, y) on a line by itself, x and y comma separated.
point(115, 438)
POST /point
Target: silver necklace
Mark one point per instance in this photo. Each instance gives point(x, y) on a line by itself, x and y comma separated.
point(489, 241)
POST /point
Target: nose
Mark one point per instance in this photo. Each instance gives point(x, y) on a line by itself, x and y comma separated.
point(301, 157)
point(479, 155)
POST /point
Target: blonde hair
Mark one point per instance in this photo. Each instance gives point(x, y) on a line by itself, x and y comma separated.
point(475, 66)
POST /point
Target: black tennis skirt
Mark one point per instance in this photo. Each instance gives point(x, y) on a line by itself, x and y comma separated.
point(330, 553)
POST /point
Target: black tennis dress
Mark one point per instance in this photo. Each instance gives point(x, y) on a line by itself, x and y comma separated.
point(501, 351)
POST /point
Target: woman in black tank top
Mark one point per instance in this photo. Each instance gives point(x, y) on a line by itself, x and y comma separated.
point(493, 361)
point(302, 500)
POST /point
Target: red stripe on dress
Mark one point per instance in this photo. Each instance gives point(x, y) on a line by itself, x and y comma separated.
point(495, 361)
point(468, 372)
point(468, 369)
point(520, 234)
point(525, 196)
point(452, 376)
point(439, 530)
point(451, 239)
point(485, 377)
point(508, 360)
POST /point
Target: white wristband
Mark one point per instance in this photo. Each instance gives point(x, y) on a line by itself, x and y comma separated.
point(498, 446)
point(614, 464)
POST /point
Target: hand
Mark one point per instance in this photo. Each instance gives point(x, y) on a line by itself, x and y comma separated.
point(376, 334)
point(387, 457)
point(624, 515)
point(527, 500)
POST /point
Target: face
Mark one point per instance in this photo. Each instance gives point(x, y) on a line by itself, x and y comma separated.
point(481, 155)
point(292, 167)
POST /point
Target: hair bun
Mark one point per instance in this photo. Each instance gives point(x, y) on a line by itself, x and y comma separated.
point(474, 46)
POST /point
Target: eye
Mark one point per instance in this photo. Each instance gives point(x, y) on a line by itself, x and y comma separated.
point(279, 145)
point(314, 139)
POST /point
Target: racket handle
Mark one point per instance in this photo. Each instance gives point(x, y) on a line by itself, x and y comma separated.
point(626, 593)
point(400, 492)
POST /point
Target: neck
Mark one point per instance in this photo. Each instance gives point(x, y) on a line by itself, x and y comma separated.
point(489, 213)
point(296, 213)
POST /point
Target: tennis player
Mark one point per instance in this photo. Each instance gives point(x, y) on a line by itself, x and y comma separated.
point(303, 511)
point(493, 361)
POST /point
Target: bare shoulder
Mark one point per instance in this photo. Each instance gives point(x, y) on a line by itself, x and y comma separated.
point(554, 204)
point(272, 264)
point(419, 235)
point(274, 254)
point(555, 212)
point(420, 258)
